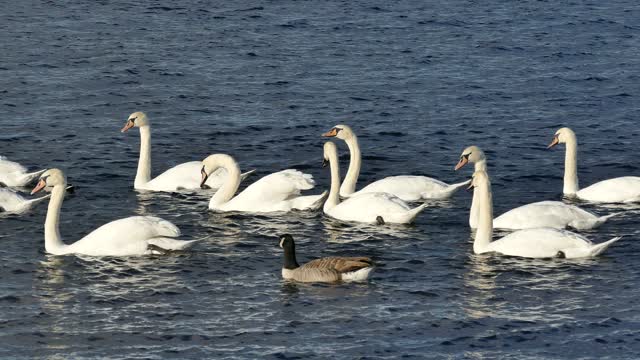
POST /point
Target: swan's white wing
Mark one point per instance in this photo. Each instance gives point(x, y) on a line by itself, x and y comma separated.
point(406, 187)
point(11, 201)
point(622, 189)
point(11, 173)
point(540, 243)
point(271, 190)
point(553, 214)
point(368, 206)
point(7, 166)
point(128, 236)
point(185, 176)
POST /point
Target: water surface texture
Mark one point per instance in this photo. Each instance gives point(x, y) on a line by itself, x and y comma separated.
point(417, 80)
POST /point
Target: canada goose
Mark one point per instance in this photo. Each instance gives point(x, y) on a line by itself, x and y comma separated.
point(328, 269)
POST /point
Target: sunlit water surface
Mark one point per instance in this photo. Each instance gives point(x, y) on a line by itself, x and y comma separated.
point(418, 81)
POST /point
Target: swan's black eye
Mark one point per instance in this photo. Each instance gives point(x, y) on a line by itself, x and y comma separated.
point(465, 156)
point(133, 120)
point(337, 130)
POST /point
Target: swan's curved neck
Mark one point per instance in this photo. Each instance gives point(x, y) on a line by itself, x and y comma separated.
point(52, 241)
point(349, 184)
point(230, 186)
point(334, 192)
point(473, 214)
point(484, 232)
point(571, 166)
point(143, 176)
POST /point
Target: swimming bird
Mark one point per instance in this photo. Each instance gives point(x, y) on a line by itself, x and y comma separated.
point(555, 214)
point(328, 269)
point(184, 176)
point(530, 243)
point(11, 202)
point(14, 174)
point(135, 235)
point(369, 207)
point(406, 187)
point(617, 190)
point(279, 191)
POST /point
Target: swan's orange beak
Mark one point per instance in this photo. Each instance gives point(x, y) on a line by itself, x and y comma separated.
point(41, 184)
point(204, 178)
point(331, 133)
point(127, 126)
point(463, 161)
point(554, 142)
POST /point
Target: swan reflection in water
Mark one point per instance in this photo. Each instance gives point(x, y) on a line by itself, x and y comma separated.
point(554, 288)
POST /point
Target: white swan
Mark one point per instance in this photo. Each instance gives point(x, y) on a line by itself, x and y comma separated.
point(406, 187)
point(136, 235)
point(180, 177)
point(618, 190)
point(367, 207)
point(475, 155)
point(14, 174)
point(12, 202)
point(555, 214)
point(279, 191)
point(530, 243)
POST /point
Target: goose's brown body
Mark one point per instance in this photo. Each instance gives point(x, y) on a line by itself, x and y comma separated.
point(328, 269)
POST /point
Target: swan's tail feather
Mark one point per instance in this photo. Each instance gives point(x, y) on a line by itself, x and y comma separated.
point(599, 248)
point(170, 244)
point(407, 217)
point(591, 224)
point(37, 200)
point(311, 202)
point(247, 174)
point(446, 192)
point(30, 177)
point(602, 219)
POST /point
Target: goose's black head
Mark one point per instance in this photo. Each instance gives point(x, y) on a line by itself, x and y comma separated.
point(286, 241)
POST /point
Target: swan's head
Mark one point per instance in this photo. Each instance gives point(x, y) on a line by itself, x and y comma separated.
point(562, 136)
point(286, 241)
point(138, 119)
point(50, 178)
point(211, 164)
point(341, 131)
point(330, 152)
point(479, 178)
point(472, 154)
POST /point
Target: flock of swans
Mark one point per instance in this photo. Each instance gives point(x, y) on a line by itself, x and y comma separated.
point(539, 229)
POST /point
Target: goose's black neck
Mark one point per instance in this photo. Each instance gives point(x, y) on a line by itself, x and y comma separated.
point(290, 256)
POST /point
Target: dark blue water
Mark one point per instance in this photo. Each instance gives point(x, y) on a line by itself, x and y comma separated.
point(417, 80)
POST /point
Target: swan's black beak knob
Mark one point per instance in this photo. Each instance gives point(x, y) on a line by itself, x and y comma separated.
point(204, 175)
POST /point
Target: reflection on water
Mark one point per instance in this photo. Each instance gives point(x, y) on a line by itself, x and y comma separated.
point(261, 83)
point(513, 288)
